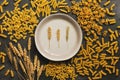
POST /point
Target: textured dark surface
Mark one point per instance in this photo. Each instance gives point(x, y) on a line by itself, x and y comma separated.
point(45, 61)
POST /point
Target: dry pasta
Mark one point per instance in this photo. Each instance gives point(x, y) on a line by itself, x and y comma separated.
point(107, 3)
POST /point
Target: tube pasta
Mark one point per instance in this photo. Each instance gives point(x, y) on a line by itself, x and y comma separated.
point(107, 3)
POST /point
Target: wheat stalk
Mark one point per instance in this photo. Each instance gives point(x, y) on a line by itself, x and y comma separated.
point(22, 66)
point(67, 34)
point(17, 52)
point(58, 37)
point(20, 49)
point(38, 64)
point(24, 61)
point(39, 72)
point(12, 47)
point(15, 63)
point(49, 34)
point(35, 62)
point(9, 54)
point(25, 52)
point(29, 43)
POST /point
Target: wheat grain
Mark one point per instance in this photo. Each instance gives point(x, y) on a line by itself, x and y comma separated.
point(38, 65)
point(25, 52)
point(25, 55)
point(31, 67)
point(22, 66)
point(12, 47)
point(15, 63)
point(7, 72)
point(17, 52)
point(20, 49)
point(29, 43)
point(9, 54)
point(11, 73)
point(58, 35)
point(35, 62)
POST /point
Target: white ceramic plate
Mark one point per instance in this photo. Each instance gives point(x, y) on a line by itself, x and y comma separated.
point(62, 50)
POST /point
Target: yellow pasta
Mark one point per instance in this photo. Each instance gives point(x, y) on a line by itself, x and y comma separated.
point(2, 16)
point(14, 40)
point(8, 13)
point(118, 26)
point(89, 1)
point(2, 67)
point(18, 1)
point(110, 30)
point(64, 11)
point(112, 6)
point(54, 11)
point(89, 78)
point(1, 9)
point(116, 33)
point(103, 41)
point(107, 3)
point(3, 59)
point(102, 72)
point(4, 2)
point(12, 73)
point(109, 70)
point(117, 72)
point(3, 35)
point(99, 1)
point(32, 4)
point(25, 5)
point(7, 72)
point(112, 21)
point(111, 14)
point(115, 62)
point(96, 78)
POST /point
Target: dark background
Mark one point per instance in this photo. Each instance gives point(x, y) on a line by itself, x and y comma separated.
point(44, 60)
